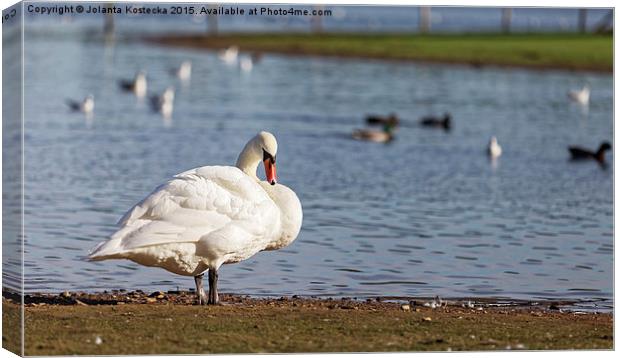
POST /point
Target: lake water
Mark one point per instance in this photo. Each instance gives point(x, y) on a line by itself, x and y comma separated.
point(425, 215)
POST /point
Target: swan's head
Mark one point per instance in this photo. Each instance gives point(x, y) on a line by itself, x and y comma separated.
point(263, 147)
point(267, 145)
point(493, 140)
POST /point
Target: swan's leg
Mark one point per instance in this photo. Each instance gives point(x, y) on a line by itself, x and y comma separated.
point(213, 298)
point(199, 289)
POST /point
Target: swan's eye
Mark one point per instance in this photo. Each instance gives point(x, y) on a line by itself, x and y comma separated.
point(266, 156)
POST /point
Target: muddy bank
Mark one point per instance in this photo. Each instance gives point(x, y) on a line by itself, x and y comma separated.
point(169, 322)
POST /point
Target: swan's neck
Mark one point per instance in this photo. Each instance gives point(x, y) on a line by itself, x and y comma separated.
point(248, 160)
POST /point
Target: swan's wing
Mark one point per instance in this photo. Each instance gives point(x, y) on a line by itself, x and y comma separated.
point(188, 207)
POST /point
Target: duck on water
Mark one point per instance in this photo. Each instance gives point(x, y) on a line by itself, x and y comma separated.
point(437, 122)
point(579, 153)
point(209, 216)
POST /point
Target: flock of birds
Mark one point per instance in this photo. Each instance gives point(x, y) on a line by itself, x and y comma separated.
point(164, 102)
point(391, 122)
point(209, 216)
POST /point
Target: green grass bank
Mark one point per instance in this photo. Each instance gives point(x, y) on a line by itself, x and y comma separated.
point(587, 52)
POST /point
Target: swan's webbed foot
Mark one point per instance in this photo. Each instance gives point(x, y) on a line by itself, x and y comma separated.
point(200, 292)
point(213, 297)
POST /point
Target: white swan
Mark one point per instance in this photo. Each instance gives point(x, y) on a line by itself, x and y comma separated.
point(494, 150)
point(209, 216)
point(582, 96)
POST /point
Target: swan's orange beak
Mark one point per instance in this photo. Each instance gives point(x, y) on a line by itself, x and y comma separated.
point(270, 170)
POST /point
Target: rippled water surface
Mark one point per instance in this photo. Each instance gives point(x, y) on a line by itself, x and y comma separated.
point(427, 214)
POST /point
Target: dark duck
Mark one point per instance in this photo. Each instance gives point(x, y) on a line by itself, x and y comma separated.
point(579, 153)
point(444, 122)
point(391, 120)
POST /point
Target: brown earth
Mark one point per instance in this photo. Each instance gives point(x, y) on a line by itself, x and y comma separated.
point(167, 323)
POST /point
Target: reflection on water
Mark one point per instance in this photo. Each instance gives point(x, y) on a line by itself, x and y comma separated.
point(427, 214)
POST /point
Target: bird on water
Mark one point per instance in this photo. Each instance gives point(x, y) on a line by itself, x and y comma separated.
point(579, 153)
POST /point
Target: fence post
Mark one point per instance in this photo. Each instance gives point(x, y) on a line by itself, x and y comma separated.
point(583, 15)
point(316, 23)
point(506, 19)
point(425, 19)
point(212, 21)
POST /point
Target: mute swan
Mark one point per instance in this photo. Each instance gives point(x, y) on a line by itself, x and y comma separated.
point(383, 136)
point(137, 86)
point(578, 153)
point(494, 150)
point(392, 120)
point(432, 121)
point(164, 104)
point(582, 96)
point(209, 216)
point(87, 106)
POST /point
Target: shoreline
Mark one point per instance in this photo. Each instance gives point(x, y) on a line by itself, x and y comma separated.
point(568, 52)
point(170, 322)
point(187, 297)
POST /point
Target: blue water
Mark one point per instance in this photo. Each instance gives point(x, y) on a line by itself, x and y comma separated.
point(425, 215)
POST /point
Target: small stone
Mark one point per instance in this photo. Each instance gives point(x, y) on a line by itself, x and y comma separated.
point(98, 340)
point(65, 294)
point(427, 319)
point(405, 307)
point(151, 299)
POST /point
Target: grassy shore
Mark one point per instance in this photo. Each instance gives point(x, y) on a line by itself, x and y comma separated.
point(561, 51)
point(164, 323)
